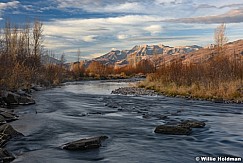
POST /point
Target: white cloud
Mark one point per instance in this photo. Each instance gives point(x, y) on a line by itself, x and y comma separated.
point(12, 4)
point(122, 36)
point(153, 29)
point(90, 38)
point(133, 7)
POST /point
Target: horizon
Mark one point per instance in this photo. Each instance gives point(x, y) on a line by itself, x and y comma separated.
point(96, 27)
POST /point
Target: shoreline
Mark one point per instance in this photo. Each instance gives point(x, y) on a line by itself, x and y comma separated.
point(136, 91)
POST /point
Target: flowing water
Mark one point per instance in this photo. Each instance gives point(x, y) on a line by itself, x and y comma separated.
point(86, 109)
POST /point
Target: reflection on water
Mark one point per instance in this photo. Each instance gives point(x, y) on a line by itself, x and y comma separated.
point(81, 110)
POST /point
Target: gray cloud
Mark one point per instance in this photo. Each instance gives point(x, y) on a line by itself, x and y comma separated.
point(233, 16)
point(203, 6)
point(231, 5)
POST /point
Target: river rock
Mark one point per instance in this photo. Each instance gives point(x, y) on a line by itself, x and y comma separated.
point(8, 117)
point(37, 88)
point(134, 91)
point(11, 98)
point(2, 120)
point(192, 124)
point(6, 156)
point(7, 129)
point(25, 100)
point(172, 130)
point(84, 144)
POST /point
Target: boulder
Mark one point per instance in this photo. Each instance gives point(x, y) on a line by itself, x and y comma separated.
point(25, 100)
point(11, 98)
point(192, 124)
point(9, 117)
point(7, 129)
point(172, 130)
point(2, 120)
point(6, 133)
point(6, 156)
point(37, 88)
point(84, 144)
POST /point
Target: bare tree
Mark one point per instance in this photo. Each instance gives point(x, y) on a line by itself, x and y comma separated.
point(78, 54)
point(220, 38)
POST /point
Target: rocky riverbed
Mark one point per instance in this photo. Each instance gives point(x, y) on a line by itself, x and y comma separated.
point(134, 91)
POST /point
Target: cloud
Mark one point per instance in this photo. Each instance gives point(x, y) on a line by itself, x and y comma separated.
point(205, 6)
point(153, 29)
point(90, 38)
point(128, 7)
point(12, 4)
point(122, 36)
point(233, 16)
point(168, 2)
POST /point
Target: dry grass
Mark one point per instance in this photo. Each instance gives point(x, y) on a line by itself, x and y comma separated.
point(220, 77)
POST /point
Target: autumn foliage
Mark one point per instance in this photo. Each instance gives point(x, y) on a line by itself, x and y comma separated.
point(20, 58)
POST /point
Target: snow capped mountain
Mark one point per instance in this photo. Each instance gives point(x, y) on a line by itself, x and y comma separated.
point(121, 57)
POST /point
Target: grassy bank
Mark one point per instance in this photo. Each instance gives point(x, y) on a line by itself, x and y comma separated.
point(219, 78)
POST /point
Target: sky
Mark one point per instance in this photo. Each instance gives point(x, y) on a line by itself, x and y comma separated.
point(99, 26)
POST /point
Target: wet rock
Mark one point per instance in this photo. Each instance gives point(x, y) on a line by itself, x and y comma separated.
point(134, 91)
point(25, 100)
point(84, 144)
point(9, 117)
point(172, 130)
point(37, 88)
point(11, 98)
point(7, 129)
point(2, 120)
point(218, 100)
point(6, 156)
point(192, 124)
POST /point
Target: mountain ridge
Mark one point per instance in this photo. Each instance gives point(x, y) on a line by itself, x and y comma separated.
point(123, 57)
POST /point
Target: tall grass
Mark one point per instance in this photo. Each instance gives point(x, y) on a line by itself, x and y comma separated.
point(219, 77)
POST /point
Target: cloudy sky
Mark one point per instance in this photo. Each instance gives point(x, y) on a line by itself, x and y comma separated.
point(97, 26)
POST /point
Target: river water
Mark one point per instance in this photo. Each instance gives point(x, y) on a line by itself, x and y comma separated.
point(86, 109)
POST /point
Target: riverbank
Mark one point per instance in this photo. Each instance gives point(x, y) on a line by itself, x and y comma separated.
point(224, 93)
point(9, 100)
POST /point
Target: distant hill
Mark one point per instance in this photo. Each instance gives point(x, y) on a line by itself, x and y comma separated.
point(232, 49)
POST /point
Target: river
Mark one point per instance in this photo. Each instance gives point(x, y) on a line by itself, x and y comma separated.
point(86, 109)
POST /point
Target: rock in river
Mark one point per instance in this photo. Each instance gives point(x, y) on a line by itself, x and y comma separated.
point(192, 124)
point(7, 129)
point(84, 144)
point(5, 156)
point(172, 130)
point(11, 98)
